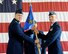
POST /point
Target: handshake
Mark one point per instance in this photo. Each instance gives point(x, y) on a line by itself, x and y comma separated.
point(37, 40)
point(38, 43)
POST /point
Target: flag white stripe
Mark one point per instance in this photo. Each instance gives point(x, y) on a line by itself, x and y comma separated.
point(44, 0)
point(4, 37)
point(38, 16)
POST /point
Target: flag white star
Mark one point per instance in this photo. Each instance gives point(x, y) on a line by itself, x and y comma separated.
point(1, 1)
point(14, 1)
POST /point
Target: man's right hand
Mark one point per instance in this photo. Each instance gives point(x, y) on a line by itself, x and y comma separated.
point(37, 41)
point(36, 31)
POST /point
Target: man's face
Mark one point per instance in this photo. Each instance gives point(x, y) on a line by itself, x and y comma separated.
point(34, 27)
point(52, 18)
point(18, 16)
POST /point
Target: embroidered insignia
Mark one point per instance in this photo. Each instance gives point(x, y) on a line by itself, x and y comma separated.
point(30, 21)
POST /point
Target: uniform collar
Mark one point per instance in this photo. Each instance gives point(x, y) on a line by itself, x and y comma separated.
point(16, 20)
point(53, 23)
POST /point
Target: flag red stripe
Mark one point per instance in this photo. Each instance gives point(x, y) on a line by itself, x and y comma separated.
point(46, 6)
point(44, 26)
point(3, 47)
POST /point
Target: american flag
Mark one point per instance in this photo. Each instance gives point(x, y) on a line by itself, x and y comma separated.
point(40, 13)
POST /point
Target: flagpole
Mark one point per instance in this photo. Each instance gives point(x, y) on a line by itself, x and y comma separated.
point(39, 51)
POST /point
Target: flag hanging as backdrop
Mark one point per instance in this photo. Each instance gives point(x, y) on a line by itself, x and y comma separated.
point(40, 13)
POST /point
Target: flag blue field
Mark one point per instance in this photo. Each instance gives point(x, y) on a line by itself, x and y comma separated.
point(9, 6)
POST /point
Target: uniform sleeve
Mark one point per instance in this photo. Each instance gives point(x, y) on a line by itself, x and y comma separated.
point(56, 33)
point(42, 36)
point(21, 35)
point(28, 32)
